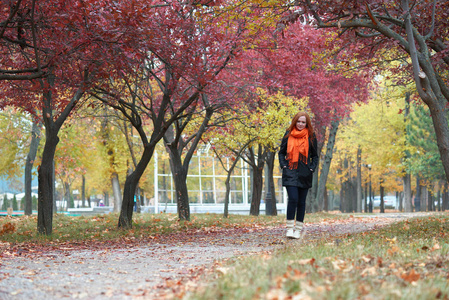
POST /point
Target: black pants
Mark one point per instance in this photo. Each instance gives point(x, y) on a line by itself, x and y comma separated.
point(296, 203)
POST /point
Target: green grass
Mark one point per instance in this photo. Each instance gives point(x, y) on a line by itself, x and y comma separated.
point(407, 260)
point(104, 227)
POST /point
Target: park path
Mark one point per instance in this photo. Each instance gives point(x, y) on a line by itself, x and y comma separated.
point(162, 268)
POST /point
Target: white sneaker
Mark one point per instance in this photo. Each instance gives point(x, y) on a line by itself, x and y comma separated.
point(299, 230)
point(290, 231)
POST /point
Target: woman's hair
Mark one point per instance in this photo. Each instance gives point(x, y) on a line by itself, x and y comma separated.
point(308, 122)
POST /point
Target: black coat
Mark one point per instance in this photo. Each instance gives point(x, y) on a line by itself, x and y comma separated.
point(303, 175)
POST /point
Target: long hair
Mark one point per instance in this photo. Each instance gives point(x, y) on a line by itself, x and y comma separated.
point(308, 122)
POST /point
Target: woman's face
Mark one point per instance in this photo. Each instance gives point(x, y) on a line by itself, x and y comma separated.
point(301, 123)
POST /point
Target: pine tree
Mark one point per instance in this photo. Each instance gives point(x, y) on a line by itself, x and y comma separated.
point(5, 203)
point(425, 161)
point(15, 205)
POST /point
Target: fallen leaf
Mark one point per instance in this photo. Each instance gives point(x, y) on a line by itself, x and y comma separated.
point(412, 276)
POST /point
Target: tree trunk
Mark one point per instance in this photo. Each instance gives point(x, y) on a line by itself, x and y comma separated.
point(430, 200)
point(366, 198)
point(180, 181)
point(424, 198)
point(182, 194)
point(46, 196)
point(106, 199)
point(139, 198)
point(406, 180)
point(34, 144)
point(313, 203)
point(352, 194)
point(270, 195)
point(429, 87)
point(407, 184)
point(326, 200)
point(131, 183)
point(440, 123)
point(117, 194)
point(46, 180)
point(83, 190)
point(257, 163)
point(370, 202)
point(382, 202)
point(418, 194)
point(359, 179)
point(66, 196)
point(438, 207)
point(256, 190)
point(327, 160)
point(445, 197)
point(228, 193)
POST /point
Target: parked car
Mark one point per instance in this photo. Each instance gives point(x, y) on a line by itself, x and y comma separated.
point(389, 201)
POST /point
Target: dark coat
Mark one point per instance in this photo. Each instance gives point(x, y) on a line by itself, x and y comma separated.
point(303, 175)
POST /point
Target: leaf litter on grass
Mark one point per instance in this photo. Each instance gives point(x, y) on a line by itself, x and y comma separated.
point(184, 270)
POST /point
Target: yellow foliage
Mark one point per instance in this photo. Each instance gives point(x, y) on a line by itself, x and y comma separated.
point(264, 125)
point(378, 128)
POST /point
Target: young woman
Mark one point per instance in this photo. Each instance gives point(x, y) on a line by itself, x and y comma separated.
point(298, 159)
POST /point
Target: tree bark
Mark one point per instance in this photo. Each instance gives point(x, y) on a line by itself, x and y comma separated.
point(46, 199)
point(327, 160)
point(429, 88)
point(116, 192)
point(407, 184)
point(257, 163)
point(313, 203)
point(139, 200)
point(83, 190)
point(382, 202)
point(46, 179)
point(365, 198)
point(228, 184)
point(66, 196)
point(445, 197)
point(180, 181)
point(430, 85)
point(34, 144)
point(407, 181)
point(175, 144)
point(359, 179)
point(418, 194)
point(131, 183)
point(270, 193)
point(228, 193)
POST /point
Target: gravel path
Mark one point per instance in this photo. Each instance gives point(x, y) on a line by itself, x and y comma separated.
point(152, 270)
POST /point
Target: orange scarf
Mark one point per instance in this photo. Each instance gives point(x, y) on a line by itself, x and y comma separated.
point(297, 147)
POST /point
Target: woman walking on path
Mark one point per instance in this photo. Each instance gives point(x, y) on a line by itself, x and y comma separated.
point(298, 159)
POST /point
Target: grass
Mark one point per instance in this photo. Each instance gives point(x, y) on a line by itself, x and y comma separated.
point(104, 227)
point(407, 260)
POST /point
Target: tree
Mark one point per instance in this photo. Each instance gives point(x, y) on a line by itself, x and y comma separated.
point(182, 143)
point(80, 44)
point(326, 164)
point(424, 160)
point(5, 203)
point(300, 64)
point(378, 129)
point(419, 30)
point(197, 42)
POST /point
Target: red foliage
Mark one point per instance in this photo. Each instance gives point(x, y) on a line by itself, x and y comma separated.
point(8, 228)
point(292, 63)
